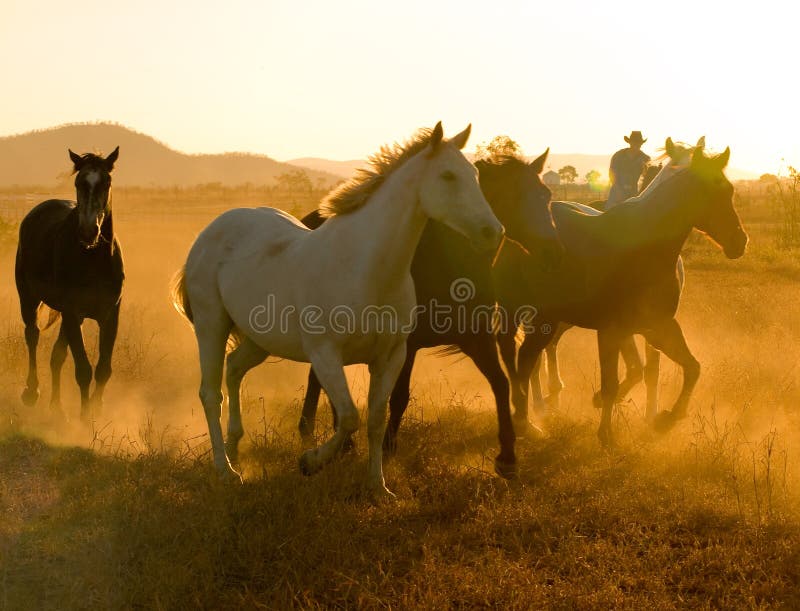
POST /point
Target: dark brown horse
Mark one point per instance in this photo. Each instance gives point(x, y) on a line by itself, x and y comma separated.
point(618, 276)
point(69, 259)
point(451, 276)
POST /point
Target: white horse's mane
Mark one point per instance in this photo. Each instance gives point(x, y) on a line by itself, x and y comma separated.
point(355, 192)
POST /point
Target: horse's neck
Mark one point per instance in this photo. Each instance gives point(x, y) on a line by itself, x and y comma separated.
point(384, 233)
point(664, 218)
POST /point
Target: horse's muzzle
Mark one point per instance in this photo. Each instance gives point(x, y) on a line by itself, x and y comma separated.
point(488, 238)
point(736, 247)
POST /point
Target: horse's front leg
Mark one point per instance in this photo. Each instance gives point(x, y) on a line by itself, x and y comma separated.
point(102, 373)
point(608, 346)
point(383, 374)
point(83, 369)
point(668, 338)
point(329, 368)
point(57, 358)
point(484, 354)
point(29, 309)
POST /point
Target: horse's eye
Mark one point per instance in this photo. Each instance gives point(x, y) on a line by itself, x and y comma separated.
point(448, 175)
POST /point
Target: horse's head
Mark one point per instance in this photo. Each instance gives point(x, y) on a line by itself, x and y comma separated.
point(93, 188)
point(717, 217)
point(678, 156)
point(449, 191)
point(521, 201)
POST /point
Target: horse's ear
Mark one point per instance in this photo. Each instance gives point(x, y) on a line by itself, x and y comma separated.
point(460, 140)
point(669, 148)
point(722, 159)
point(77, 161)
point(437, 135)
point(538, 163)
point(111, 159)
point(701, 143)
point(697, 157)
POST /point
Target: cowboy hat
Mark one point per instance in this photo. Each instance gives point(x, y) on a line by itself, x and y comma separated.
point(635, 138)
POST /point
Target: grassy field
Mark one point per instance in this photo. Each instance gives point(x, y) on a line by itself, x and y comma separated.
point(129, 514)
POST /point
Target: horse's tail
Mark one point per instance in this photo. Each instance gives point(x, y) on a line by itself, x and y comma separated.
point(180, 298)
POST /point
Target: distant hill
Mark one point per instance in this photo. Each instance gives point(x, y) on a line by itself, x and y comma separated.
point(342, 169)
point(40, 158)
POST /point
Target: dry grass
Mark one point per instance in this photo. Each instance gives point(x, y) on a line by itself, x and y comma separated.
point(129, 514)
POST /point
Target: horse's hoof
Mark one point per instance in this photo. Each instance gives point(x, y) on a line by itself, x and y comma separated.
point(380, 494)
point(664, 421)
point(524, 428)
point(505, 469)
point(57, 411)
point(606, 439)
point(228, 475)
point(30, 396)
point(308, 463)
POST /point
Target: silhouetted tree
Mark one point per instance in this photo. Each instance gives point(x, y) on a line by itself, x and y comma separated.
point(296, 181)
point(568, 174)
point(499, 146)
point(592, 177)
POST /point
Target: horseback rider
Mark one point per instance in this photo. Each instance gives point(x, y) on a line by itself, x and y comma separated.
point(625, 169)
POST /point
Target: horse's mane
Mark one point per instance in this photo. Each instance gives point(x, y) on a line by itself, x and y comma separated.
point(683, 147)
point(354, 193)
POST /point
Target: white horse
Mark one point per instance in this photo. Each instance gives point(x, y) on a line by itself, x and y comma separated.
point(339, 295)
point(679, 156)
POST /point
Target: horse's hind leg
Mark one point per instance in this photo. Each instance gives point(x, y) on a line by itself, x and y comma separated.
point(29, 308)
point(212, 336)
point(529, 353)
point(71, 326)
point(608, 346)
point(57, 358)
point(555, 383)
point(328, 366)
point(634, 370)
point(668, 338)
point(308, 417)
point(246, 356)
point(108, 336)
point(398, 402)
point(651, 368)
point(537, 397)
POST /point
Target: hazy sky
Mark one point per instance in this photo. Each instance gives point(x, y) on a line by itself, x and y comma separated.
point(337, 79)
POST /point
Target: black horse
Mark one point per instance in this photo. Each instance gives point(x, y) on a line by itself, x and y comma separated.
point(450, 275)
point(69, 259)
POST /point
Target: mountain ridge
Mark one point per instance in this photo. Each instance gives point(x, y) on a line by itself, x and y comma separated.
point(40, 158)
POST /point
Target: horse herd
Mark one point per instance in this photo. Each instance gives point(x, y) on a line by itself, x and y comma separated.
point(421, 249)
